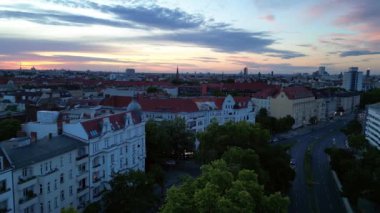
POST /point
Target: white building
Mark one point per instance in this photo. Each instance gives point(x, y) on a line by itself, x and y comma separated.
point(372, 125)
point(197, 112)
point(95, 143)
point(45, 175)
point(353, 80)
point(115, 143)
point(6, 184)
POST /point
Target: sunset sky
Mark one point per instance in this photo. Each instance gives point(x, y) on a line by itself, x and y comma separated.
point(287, 36)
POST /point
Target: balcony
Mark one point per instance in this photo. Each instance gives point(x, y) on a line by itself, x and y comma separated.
point(22, 180)
point(96, 165)
point(28, 200)
point(4, 210)
point(82, 190)
point(81, 174)
point(4, 190)
point(82, 157)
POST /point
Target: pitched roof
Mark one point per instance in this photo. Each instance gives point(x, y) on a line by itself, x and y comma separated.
point(174, 105)
point(94, 127)
point(265, 93)
point(297, 92)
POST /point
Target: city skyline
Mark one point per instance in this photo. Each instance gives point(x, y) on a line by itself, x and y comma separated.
point(198, 36)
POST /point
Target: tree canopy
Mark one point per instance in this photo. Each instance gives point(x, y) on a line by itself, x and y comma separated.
point(218, 189)
point(131, 192)
point(272, 124)
point(270, 162)
point(9, 128)
point(369, 97)
point(167, 139)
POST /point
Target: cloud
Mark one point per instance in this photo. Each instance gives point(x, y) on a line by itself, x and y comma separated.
point(358, 53)
point(205, 59)
point(145, 15)
point(17, 46)
point(276, 67)
point(155, 16)
point(57, 18)
point(229, 40)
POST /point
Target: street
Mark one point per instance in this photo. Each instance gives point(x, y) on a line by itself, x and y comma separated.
point(321, 195)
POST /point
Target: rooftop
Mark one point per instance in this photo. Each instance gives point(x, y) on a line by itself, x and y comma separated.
point(25, 155)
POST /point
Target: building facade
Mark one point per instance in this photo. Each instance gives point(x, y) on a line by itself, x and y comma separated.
point(297, 102)
point(372, 125)
point(353, 80)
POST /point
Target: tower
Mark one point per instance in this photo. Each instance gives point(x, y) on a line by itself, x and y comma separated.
point(177, 74)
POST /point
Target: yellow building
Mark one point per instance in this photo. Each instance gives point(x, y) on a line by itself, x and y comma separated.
point(298, 102)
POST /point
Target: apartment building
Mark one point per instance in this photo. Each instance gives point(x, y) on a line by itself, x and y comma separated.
point(372, 125)
point(44, 173)
point(298, 102)
point(6, 184)
point(197, 112)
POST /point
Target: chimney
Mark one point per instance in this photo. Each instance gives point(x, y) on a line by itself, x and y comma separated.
point(33, 137)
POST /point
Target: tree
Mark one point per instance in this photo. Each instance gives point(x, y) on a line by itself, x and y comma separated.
point(313, 120)
point(217, 139)
point(358, 142)
point(152, 89)
point(131, 192)
point(167, 139)
point(369, 97)
point(69, 210)
point(9, 128)
point(219, 190)
point(353, 127)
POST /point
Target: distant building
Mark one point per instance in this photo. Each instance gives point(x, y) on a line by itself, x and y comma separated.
point(372, 125)
point(298, 102)
point(353, 80)
point(130, 71)
point(245, 71)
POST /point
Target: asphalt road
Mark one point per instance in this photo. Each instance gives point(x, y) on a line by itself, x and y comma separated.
point(323, 195)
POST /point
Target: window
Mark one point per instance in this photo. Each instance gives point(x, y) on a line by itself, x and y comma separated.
point(49, 207)
point(61, 160)
point(3, 186)
point(56, 202)
point(71, 174)
point(25, 172)
point(62, 178)
point(70, 157)
point(112, 159)
point(41, 189)
point(55, 184)
point(121, 150)
point(62, 195)
point(71, 190)
point(48, 187)
point(42, 207)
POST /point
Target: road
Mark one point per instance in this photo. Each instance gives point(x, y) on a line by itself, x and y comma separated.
point(322, 195)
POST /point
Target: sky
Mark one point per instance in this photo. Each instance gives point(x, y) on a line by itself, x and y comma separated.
point(216, 36)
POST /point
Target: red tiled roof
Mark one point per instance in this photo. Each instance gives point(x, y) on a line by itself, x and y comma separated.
point(116, 101)
point(94, 127)
point(265, 93)
point(297, 92)
point(168, 105)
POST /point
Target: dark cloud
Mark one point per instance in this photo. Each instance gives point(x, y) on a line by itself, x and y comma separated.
point(155, 16)
point(17, 46)
point(205, 59)
point(358, 53)
point(229, 40)
point(150, 16)
point(57, 18)
point(192, 29)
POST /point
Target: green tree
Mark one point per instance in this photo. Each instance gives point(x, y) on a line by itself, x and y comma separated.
point(167, 139)
point(152, 89)
point(131, 192)
point(358, 142)
point(219, 190)
point(275, 172)
point(369, 97)
point(9, 128)
point(353, 127)
point(69, 210)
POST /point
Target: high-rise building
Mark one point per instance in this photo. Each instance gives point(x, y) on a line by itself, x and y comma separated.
point(353, 79)
point(372, 125)
point(245, 71)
